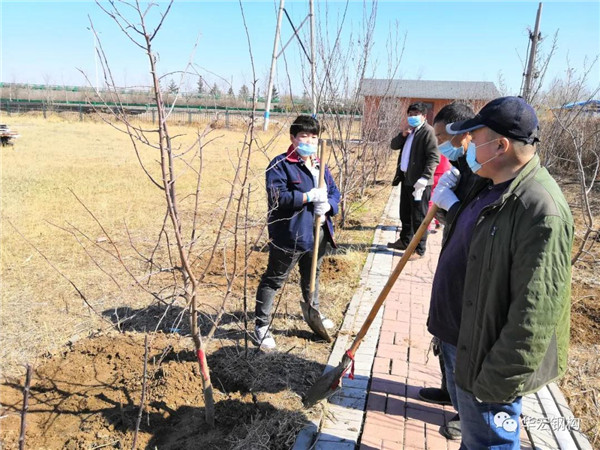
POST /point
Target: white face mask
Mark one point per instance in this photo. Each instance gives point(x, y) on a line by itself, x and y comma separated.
point(472, 156)
point(450, 151)
point(306, 149)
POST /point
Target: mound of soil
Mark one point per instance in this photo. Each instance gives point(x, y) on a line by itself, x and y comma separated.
point(89, 397)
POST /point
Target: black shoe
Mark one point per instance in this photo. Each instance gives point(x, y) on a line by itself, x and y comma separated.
point(435, 395)
point(452, 429)
point(415, 256)
point(398, 245)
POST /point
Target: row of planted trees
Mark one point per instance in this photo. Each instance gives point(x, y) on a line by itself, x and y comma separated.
point(197, 243)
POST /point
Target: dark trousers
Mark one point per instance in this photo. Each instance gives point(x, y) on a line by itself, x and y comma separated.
point(412, 213)
point(437, 351)
point(281, 262)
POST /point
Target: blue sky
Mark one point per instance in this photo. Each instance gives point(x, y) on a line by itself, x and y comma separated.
point(48, 41)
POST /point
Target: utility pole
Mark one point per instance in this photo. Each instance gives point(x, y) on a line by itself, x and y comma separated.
point(313, 60)
point(276, 55)
point(530, 74)
point(273, 66)
point(95, 41)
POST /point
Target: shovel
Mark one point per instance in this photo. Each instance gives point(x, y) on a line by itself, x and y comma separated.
point(312, 316)
point(330, 382)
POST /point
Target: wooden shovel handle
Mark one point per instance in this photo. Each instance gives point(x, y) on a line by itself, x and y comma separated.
point(393, 277)
point(317, 225)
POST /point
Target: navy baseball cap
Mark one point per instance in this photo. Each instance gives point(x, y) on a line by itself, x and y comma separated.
point(512, 117)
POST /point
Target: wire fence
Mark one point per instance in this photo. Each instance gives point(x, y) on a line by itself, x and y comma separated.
point(217, 117)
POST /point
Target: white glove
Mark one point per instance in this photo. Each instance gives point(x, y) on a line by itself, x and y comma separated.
point(419, 186)
point(322, 208)
point(444, 197)
point(450, 178)
point(316, 195)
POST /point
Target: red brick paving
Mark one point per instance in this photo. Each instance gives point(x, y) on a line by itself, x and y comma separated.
point(395, 417)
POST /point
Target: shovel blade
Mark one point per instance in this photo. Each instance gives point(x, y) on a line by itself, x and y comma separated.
point(327, 384)
point(312, 316)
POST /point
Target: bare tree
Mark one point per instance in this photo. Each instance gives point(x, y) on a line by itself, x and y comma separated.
point(570, 143)
point(542, 61)
point(359, 156)
point(196, 254)
point(132, 20)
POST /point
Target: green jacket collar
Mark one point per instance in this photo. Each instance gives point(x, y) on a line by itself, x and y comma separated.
point(528, 171)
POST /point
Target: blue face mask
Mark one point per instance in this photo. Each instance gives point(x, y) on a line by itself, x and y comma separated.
point(472, 156)
point(451, 152)
point(305, 149)
point(414, 121)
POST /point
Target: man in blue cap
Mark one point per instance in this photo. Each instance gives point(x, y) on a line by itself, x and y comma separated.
point(507, 256)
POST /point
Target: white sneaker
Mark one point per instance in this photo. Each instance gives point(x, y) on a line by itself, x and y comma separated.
point(327, 323)
point(264, 338)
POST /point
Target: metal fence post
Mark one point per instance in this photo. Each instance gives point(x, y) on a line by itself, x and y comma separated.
point(153, 116)
point(226, 118)
point(80, 113)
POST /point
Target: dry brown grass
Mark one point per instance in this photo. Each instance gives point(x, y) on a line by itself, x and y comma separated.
point(582, 386)
point(54, 157)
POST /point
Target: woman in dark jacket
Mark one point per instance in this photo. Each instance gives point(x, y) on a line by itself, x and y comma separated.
point(294, 200)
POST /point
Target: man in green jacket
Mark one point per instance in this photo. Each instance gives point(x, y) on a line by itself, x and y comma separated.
point(501, 293)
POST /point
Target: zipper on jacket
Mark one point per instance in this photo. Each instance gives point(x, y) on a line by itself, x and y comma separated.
point(492, 234)
point(495, 209)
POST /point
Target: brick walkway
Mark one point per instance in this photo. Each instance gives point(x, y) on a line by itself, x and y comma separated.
point(380, 408)
point(395, 417)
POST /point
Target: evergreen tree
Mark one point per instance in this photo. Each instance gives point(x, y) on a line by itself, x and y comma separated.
point(172, 87)
point(201, 89)
point(230, 92)
point(215, 91)
point(244, 93)
point(274, 94)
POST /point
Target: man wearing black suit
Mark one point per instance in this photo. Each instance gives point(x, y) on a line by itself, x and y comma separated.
point(418, 158)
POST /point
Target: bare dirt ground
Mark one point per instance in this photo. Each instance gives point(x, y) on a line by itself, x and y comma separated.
point(88, 394)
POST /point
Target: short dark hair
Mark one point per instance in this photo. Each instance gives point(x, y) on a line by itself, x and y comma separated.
point(419, 107)
point(454, 112)
point(305, 124)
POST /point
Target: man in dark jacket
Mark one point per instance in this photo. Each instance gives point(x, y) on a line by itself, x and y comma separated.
point(417, 161)
point(454, 147)
point(459, 180)
point(500, 301)
point(294, 199)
